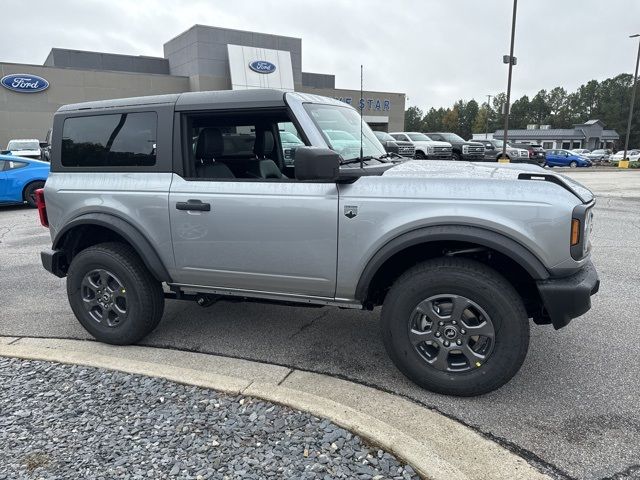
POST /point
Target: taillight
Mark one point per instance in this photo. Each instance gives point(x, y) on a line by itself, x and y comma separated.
point(42, 207)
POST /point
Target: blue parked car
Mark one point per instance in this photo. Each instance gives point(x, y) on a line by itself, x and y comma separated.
point(20, 178)
point(566, 158)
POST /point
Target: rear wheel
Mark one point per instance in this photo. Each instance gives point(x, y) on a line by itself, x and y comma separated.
point(113, 295)
point(455, 326)
point(29, 194)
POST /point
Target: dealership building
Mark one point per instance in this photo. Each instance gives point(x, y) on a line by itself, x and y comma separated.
point(201, 58)
point(591, 135)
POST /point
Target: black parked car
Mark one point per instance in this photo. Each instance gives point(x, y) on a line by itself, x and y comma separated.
point(391, 145)
point(462, 150)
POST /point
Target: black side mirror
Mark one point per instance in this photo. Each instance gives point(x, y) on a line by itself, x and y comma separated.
point(391, 147)
point(489, 146)
point(44, 144)
point(316, 163)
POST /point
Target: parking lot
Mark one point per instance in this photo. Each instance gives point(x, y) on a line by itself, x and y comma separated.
point(572, 410)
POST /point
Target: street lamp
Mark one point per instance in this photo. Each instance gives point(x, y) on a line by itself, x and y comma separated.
point(633, 99)
point(486, 129)
point(511, 60)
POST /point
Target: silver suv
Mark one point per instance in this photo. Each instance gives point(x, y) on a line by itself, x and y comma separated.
point(190, 197)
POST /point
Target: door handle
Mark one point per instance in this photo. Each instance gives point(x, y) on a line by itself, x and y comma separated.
point(194, 205)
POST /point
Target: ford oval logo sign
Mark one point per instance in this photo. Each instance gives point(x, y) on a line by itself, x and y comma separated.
point(24, 83)
point(262, 66)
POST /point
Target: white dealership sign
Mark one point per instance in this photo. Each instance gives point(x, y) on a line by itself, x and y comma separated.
point(253, 67)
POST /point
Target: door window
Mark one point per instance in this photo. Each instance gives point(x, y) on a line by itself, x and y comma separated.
point(252, 146)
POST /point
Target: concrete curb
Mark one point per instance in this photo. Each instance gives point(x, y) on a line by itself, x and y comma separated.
point(434, 445)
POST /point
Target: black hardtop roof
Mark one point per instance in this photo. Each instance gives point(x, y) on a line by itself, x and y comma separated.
point(191, 100)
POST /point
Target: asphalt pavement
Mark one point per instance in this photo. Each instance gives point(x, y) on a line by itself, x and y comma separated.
point(572, 409)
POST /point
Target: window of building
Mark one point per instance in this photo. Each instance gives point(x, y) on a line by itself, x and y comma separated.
point(247, 146)
point(566, 145)
point(114, 140)
point(547, 145)
point(577, 144)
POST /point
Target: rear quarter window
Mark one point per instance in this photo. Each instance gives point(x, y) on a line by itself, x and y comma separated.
point(112, 140)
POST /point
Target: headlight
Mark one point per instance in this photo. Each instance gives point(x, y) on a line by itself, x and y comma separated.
point(465, 148)
point(429, 149)
point(581, 228)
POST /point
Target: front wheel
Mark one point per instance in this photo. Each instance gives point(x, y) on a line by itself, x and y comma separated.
point(455, 326)
point(573, 164)
point(113, 295)
point(420, 155)
point(456, 156)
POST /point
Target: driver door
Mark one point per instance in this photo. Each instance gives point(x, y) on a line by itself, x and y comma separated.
point(237, 231)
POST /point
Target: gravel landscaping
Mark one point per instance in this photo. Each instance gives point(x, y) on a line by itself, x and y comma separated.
point(64, 421)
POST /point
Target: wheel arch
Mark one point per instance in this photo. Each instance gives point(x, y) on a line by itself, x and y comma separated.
point(93, 228)
point(428, 242)
point(30, 182)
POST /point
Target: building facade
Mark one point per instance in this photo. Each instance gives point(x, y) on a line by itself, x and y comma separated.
point(591, 135)
point(201, 58)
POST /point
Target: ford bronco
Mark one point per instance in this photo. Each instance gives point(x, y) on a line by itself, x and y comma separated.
point(189, 197)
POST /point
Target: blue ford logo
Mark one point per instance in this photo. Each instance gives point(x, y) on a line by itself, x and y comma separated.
point(262, 66)
point(24, 83)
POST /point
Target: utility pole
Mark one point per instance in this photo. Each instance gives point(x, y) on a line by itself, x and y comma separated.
point(486, 130)
point(511, 60)
point(633, 100)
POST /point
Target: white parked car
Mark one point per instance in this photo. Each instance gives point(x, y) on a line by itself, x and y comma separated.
point(581, 151)
point(633, 155)
point(29, 148)
point(425, 147)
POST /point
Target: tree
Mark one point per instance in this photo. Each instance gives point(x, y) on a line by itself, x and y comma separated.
point(519, 114)
point(539, 108)
point(468, 113)
point(480, 122)
point(432, 121)
point(451, 120)
point(413, 119)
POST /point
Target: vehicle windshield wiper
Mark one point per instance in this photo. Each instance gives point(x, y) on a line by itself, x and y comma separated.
point(357, 160)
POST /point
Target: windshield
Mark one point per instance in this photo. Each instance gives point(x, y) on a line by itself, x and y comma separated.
point(23, 145)
point(452, 137)
point(384, 137)
point(496, 143)
point(418, 137)
point(341, 129)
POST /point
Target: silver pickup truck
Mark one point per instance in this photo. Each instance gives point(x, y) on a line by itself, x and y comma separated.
point(189, 197)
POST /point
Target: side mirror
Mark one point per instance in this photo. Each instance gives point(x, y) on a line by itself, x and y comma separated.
point(316, 163)
point(489, 146)
point(44, 144)
point(391, 147)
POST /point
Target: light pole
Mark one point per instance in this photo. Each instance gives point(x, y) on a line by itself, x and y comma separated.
point(486, 129)
point(511, 60)
point(633, 99)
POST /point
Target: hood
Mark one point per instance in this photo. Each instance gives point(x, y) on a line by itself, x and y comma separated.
point(403, 143)
point(24, 153)
point(486, 171)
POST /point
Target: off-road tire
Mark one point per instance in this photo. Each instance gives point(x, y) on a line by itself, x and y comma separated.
point(29, 193)
point(144, 294)
point(482, 285)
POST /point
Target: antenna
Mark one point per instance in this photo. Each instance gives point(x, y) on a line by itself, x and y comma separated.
point(361, 111)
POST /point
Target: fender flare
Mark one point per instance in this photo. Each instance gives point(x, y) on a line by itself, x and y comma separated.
point(131, 234)
point(480, 236)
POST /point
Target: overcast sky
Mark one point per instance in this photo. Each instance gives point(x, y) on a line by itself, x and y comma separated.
point(435, 51)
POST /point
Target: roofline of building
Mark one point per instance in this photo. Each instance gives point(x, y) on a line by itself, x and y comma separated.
point(91, 70)
point(103, 53)
point(230, 29)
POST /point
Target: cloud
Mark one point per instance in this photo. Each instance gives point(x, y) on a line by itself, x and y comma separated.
point(435, 51)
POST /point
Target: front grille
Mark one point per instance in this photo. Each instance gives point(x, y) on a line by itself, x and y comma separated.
point(475, 150)
point(406, 150)
point(441, 150)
